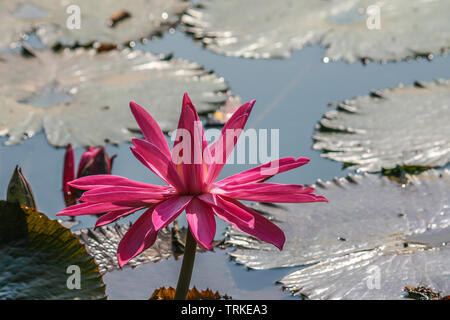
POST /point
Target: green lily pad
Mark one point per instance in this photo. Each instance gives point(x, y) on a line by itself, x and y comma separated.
point(369, 221)
point(36, 255)
point(349, 29)
point(102, 243)
point(403, 126)
point(82, 98)
point(107, 21)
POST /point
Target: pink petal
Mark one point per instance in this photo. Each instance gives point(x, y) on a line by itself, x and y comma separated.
point(263, 187)
point(114, 215)
point(190, 139)
point(228, 211)
point(139, 237)
point(150, 128)
point(220, 150)
point(105, 180)
point(264, 171)
point(263, 229)
point(112, 194)
point(201, 221)
point(271, 192)
point(165, 212)
point(156, 161)
point(93, 208)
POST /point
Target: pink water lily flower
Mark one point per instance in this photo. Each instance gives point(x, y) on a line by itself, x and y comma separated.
point(190, 171)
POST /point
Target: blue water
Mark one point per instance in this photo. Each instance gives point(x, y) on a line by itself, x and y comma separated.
point(291, 95)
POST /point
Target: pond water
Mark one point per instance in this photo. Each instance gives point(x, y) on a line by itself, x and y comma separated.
point(291, 96)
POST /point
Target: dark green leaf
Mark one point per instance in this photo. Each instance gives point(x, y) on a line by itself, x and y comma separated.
point(35, 255)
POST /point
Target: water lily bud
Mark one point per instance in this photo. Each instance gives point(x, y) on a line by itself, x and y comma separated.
point(95, 161)
point(69, 175)
point(19, 190)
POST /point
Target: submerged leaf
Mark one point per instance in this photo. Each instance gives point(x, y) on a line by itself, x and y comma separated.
point(371, 224)
point(35, 256)
point(349, 29)
point(83, 21)
point(193, 294)
point(102, 243)
point(404, 126)
point(82, 98)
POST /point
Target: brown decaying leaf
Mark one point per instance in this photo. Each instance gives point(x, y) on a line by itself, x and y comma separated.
point(423, 293)
point(163, 293)
point(117, 17)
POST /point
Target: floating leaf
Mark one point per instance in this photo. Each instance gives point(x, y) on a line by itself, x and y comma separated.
point(193, 294)
point(347, 28)
point(108, 21)
point(369, 222)
point(102, 244)
point(82, 98)
point(406, 126)
point(355, 276)
point(35, 253)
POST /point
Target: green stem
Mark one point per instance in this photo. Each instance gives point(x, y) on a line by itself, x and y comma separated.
point(187, 266)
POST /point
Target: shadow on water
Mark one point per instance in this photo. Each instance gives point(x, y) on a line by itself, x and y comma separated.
point(291, 95)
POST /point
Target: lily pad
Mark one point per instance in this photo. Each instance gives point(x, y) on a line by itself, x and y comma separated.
point(370, 221)
point(403, 126)
point(35, 258)
point(354, 276)
point(82, 98)
point(349, 29)
point(102, 244)
point(108, 21)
